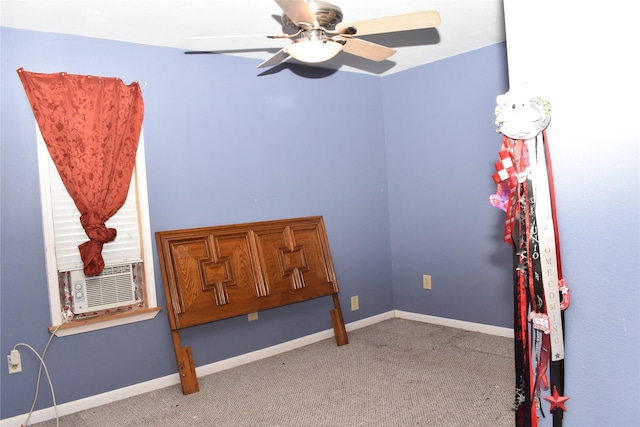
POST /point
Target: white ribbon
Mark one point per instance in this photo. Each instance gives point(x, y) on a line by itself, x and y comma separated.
point(547, 241)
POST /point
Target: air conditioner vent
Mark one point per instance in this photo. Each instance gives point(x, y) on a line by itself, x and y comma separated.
point(114, 287)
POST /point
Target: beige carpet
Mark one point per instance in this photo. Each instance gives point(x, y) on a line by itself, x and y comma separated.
point(394, 373)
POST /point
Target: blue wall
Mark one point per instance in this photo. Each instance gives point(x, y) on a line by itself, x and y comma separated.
point(225, 145)
point(441, 147)
point(597, 176)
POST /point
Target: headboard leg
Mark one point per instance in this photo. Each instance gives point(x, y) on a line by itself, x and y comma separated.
point(186, 368)
point(338, 322)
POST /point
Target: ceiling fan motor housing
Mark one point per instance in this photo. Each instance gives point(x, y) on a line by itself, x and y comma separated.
point(328, 16)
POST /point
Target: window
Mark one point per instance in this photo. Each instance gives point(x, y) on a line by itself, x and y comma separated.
point(128, 259)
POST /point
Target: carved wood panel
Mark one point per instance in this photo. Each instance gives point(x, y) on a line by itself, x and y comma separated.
point(219, 272)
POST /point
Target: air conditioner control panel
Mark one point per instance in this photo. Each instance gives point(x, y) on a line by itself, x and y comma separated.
point(79, 292)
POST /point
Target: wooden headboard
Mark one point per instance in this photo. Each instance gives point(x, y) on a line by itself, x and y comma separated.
point(218, 272)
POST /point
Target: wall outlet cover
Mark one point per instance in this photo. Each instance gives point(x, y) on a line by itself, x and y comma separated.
point(426, 281)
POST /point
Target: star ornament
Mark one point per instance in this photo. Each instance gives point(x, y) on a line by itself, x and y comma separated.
point(556, 400)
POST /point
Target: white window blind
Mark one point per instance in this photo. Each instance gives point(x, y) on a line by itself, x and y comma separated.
point(69, 233)
point(136, 233)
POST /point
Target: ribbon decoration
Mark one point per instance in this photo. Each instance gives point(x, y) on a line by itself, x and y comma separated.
point(526, 194)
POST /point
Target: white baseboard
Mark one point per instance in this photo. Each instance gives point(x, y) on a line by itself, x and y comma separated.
point(170, 380)
point(459, 324)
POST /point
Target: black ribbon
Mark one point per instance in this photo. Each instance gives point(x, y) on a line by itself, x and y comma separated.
point(524, 386)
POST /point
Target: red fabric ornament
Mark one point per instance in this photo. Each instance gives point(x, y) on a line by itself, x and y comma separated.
point(504, 167)
point(556, 400)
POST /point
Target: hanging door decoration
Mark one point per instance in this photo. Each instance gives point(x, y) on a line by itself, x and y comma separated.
point(525, 192)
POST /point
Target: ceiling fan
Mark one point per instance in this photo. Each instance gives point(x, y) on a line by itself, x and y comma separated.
point(319, 33)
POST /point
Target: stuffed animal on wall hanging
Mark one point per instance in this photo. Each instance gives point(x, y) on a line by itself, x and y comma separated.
point(525, 192)
point(519, 117)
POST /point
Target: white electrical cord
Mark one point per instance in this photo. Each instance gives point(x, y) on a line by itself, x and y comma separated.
point(46, 371)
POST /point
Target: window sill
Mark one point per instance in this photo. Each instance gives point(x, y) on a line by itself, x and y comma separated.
point(107, 321)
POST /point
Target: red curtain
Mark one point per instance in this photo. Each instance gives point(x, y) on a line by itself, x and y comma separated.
point(91, 126)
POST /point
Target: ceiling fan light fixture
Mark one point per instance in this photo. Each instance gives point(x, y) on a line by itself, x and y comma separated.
point(313, 50)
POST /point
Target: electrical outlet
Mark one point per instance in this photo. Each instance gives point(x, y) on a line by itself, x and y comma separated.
point(426, 281)
point(15, 364)
point(355, 303)
point(252, 316)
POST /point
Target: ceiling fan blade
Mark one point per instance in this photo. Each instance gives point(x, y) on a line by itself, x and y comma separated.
point(298, 11)
point(224, 37)
point(251, 36)
point(365, 49)
point(280, 56)
point(390, 24)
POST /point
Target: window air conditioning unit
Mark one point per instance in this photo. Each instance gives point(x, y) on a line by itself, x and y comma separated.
point(114, 287)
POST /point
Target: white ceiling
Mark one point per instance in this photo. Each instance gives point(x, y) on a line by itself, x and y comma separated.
point(466, 25)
